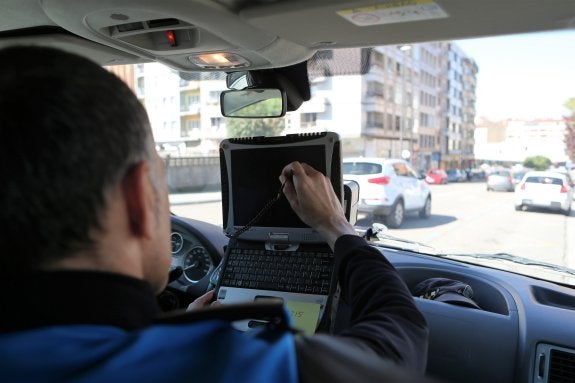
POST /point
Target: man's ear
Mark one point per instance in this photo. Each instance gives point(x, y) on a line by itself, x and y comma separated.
point(139, 198)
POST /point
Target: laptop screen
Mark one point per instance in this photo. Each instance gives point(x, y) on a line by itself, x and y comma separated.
point(255, 181)
point(250, 170)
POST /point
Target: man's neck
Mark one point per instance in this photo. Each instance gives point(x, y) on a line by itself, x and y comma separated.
point(76, 297)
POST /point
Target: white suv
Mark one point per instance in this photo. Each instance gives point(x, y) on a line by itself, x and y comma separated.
point(388, 188)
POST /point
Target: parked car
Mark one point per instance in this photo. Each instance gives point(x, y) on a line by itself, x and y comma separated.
point(544, 189)
point(476, 174)
point(436, 176)
point(518, 176)
point(456, 175)
point(500, 179)
point(388, 188)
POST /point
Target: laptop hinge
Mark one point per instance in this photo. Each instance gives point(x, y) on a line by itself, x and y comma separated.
point(279, 237)
point(280, 242)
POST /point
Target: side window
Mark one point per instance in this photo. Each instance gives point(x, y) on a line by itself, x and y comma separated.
point(411, 171)
point(358, 168)
point(400, 169)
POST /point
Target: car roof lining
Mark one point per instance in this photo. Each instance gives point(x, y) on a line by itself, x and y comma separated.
point(273, 33)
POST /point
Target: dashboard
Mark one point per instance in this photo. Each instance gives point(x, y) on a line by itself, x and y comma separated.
point(524, 331)
point(197, 249)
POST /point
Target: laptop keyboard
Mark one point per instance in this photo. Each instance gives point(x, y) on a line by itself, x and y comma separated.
point(297, 272)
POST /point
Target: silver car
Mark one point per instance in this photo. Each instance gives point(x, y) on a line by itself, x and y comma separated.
point(500, 179)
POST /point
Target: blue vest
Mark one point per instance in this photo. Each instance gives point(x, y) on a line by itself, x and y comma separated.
point(207, 351)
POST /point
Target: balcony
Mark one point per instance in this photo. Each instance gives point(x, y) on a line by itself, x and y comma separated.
point(190, 109)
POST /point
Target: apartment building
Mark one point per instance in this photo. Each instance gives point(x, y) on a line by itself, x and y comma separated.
point(412, 101)
point(457, 96)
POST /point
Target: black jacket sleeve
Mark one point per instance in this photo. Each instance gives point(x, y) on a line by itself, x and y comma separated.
point(386, 329)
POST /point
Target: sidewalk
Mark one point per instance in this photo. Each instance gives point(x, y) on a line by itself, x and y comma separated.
point(191, 198)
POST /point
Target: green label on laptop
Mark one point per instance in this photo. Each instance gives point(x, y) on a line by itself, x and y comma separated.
point(304, 315)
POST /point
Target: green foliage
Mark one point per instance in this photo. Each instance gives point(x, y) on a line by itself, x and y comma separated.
point(265, 108)
point(249, 127)
point(537, 162)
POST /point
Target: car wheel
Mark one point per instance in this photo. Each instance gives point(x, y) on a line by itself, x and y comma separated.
point(395, 217)
point(425, 212)
point(518, 208)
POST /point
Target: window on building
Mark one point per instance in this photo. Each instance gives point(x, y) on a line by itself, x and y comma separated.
point(375, 89)
point(389, 121)
point(188, 127)
point(377, 58)
point(375, 120)
point(215, 96)
point(423, 119)
point(140, 86)
point(308, 120)
point(217, 122)
point(409, 124)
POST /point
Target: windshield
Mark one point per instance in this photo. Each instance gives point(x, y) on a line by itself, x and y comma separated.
point(490, 106)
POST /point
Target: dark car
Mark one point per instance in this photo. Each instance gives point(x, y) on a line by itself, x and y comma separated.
point(456, 175)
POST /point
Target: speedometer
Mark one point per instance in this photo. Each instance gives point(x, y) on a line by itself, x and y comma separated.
point(197, 264)
point(177, 242)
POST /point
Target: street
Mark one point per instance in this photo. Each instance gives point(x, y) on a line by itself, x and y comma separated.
point(465, 219)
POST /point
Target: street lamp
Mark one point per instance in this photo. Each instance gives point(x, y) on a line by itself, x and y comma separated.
point(404, 49)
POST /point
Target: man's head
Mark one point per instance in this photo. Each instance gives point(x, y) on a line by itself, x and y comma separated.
point(76, 158)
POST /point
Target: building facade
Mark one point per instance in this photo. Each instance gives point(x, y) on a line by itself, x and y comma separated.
point(413, 101)
point(512, 141)
point(457, 95)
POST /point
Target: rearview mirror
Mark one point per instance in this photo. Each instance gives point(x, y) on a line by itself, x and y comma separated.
point(253, 103)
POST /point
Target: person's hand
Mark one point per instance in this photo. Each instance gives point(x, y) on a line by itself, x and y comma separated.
point(311, 196)
point(203, 301)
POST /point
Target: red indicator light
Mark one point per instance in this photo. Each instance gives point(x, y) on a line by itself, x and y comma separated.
point(171, 38)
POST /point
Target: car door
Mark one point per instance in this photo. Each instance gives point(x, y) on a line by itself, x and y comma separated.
point(408, 184)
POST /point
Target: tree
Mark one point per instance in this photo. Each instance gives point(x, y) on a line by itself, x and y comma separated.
point(570, 130)
point(250, 127)
point(537, 162)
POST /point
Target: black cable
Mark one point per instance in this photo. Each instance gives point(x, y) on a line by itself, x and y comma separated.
point(263, 210)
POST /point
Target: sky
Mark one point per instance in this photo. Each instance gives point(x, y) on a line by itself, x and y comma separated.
point(523, 76)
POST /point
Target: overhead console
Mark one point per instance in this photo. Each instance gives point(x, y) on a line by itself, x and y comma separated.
point(182, 35)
